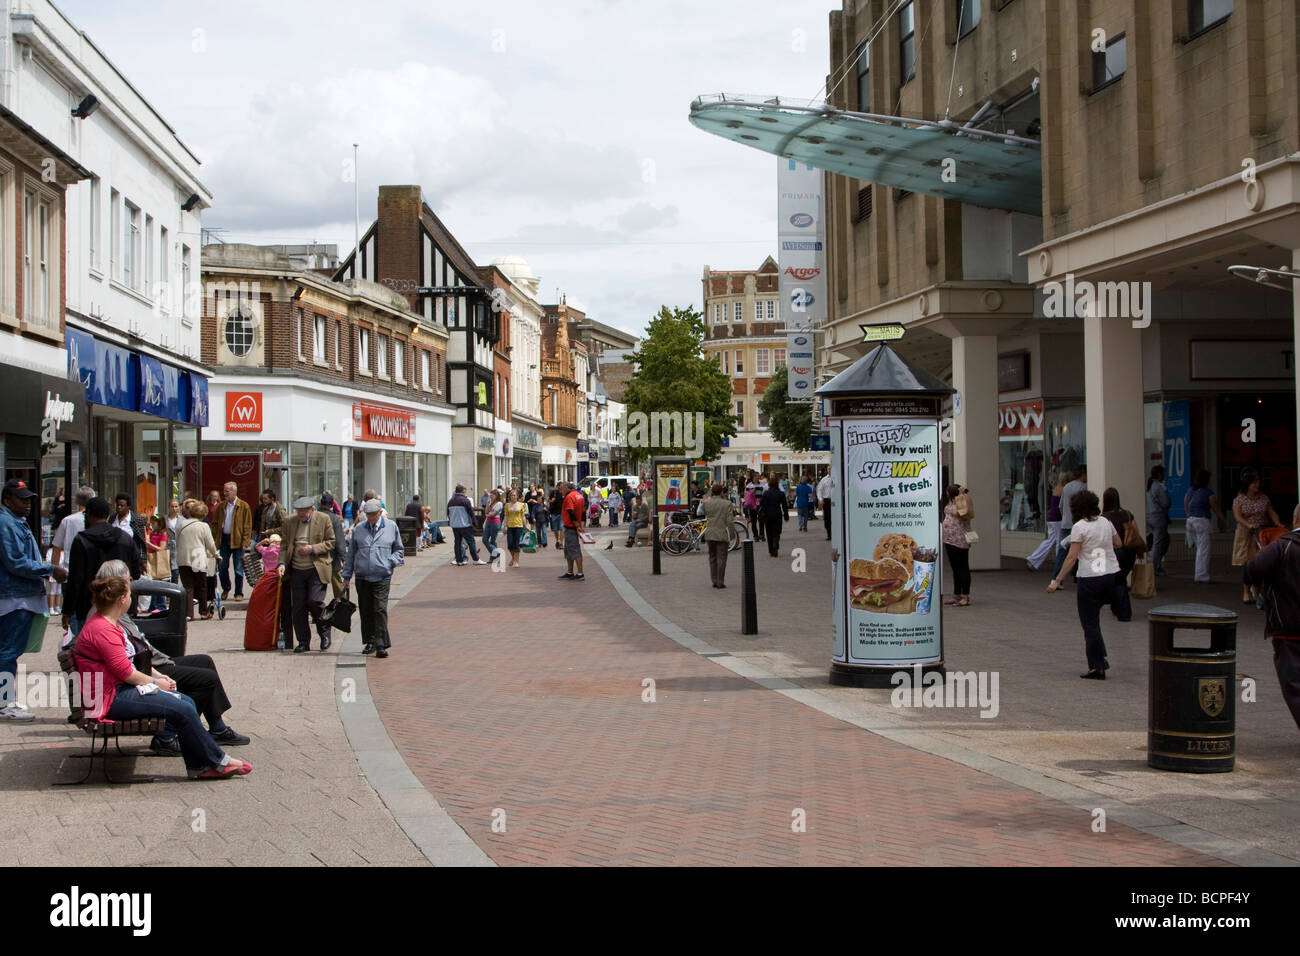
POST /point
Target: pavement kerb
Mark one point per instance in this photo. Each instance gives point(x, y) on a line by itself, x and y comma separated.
point(1138, 818)
point(424, 821)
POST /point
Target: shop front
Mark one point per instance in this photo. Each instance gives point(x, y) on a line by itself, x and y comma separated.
point(503, 454)
point(584, 459)
point(559, 463)
point(43, 438)
point(528, 455)
point(303, 438)
point(140, 409)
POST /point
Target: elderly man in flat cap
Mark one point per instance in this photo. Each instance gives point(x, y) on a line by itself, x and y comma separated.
point(374, 551)
point(307, 559)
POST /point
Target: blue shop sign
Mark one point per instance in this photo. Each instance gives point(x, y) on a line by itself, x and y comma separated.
point(121, 378)
point(109, 373)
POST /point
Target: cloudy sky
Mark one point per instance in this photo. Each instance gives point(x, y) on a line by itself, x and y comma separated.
point(557, 131)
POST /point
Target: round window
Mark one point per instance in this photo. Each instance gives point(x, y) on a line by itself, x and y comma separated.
point(239, 333)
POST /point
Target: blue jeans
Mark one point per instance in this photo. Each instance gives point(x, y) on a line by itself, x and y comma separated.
point(541, 531)
point(803, 519)
point(14, 629)
point(490, 531)
point(227, 552)
point(464, 537)
point(198, 748)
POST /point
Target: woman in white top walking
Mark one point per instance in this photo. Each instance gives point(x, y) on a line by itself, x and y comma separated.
point(1092, 546)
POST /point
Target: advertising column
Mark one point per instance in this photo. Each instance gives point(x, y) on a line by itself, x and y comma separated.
point(890, 470)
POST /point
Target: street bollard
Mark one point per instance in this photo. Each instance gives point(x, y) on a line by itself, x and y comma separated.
point(654, 543)
point(749, 599)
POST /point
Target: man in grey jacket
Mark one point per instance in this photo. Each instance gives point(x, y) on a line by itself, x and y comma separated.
point(375, 550)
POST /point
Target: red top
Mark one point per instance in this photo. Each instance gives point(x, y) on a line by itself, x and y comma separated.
point(101, 662)
point(572, 510)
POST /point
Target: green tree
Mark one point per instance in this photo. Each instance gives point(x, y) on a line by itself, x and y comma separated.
point(673, 376)
point(789, 422)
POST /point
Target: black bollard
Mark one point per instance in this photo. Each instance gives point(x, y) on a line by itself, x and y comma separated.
point(749, 599)
point(654, 542)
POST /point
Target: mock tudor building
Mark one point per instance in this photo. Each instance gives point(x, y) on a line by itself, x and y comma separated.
point(408, 250)
point(319, 385)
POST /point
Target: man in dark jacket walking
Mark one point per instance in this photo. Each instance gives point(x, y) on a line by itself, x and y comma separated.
point(327, 506)
point(1276, 572)
point(101, 541)
point(460, 515)
point(774, 509)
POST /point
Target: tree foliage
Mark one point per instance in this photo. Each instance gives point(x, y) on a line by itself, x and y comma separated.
point(672, 375)
point(789, 422)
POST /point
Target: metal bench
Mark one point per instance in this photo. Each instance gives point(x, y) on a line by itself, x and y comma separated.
point(102, 730)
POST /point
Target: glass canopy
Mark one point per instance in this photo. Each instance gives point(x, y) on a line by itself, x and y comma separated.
point(997, 170)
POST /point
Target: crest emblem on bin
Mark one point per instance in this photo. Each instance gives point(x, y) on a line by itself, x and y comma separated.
point(1212, 693)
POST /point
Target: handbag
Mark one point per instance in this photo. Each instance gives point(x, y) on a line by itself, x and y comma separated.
point(972, 537)
point(1134, 541)
point(1144, 581)
point(338, 613)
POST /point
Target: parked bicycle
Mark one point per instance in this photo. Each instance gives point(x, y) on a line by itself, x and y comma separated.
point(681, 538)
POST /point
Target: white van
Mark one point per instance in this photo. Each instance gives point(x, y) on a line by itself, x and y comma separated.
point(605, 482)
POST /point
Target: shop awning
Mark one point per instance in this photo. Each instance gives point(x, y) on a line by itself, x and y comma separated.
point(989, 169)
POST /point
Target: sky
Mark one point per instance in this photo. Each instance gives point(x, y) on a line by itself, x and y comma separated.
point(555, 130)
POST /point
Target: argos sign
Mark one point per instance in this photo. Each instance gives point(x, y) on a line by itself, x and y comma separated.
point(243, 411)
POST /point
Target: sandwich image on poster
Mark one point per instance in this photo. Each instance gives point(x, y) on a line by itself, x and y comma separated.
point(884, 586)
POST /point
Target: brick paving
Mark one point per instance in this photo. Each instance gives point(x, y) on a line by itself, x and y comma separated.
point(517, 699)
point(306, 802)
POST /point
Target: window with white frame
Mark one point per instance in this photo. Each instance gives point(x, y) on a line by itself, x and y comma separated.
point(318, 338)
point(148, 254)
point(40, 259)
point(738, 312)
point(424, 369)
point(740, 414)
point(724, 356)
point(94, 218)
point(131, 245)
point(718, 314)
point(187, 270)
point(778, 358)
point(363, 350)
point(760, 362)
point(6, 294)
point(399, 360)
point(740, 362)
point(164, 267)
point(115, 233)
point(771, 310)
point(381, 364)
point(758, 310)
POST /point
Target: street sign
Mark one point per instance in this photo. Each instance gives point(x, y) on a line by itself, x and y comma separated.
point(882, 332)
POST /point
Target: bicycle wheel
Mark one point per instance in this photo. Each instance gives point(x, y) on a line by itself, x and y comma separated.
point(675, 539)
point(741, 531)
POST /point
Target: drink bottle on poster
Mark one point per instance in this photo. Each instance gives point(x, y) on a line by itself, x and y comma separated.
point(890, 553)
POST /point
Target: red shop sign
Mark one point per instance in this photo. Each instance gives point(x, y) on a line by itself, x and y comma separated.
point(1020, 420)
point(381, 423)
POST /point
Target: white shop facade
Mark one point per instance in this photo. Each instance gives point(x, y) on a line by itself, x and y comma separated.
point(301, 437)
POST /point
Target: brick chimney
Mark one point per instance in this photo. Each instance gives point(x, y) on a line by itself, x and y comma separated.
point(398, 253)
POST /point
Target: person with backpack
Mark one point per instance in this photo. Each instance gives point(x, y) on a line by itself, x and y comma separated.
point(101, 541)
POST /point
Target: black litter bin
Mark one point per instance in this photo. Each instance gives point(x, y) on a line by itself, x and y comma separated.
point(410, 529)
point(1192, 723)
point(164, 631)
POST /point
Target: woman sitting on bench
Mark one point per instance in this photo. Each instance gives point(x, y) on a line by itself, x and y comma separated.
point(113, 689)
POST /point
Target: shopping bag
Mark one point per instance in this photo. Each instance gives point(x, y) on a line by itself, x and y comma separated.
point(586, 537)
point(964, 506)
point(528, 541)
point(160, 564)
point(1144, 581)
point(36, 636)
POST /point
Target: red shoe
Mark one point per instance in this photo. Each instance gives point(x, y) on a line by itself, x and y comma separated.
point(229, 770)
